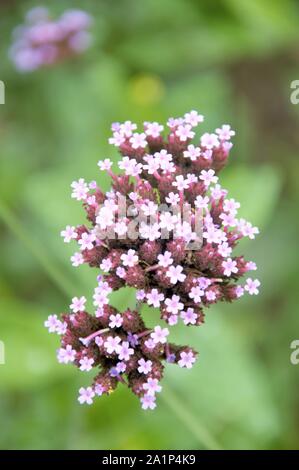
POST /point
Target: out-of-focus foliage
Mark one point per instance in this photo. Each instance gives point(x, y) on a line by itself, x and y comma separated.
point(233, 60)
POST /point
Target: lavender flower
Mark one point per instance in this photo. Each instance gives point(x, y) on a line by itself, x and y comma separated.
point(152, 247)
point(43, 41)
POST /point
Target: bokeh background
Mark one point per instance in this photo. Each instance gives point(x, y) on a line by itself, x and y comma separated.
point(233, 60)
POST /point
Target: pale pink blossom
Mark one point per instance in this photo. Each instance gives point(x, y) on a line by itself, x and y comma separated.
point(154, 298)
point(230, 266)
point(86, 395)
point(80, 189)
point(165, 259)
point(69, 233)
point(152, 386)
point(159, 335)
point(175, 273)
point(225, 132)
point(66, 355)
point(138, 140)
point(86, 363)
point(184, 132)
point(124, 351)
point(148, 402)
point(112, 344)
point(130, 258)
point(77, 259)
point(208, 177)
point(86, 241)
point(153, 129)
point(174, 305)
point(193, 118)
point(105, 165)
point(115, 321)
point(144, 366)
point(78, 304)
point(209, 141)
point(192, 152)
point(189, 316)
point(251, 286)
point(187, 359)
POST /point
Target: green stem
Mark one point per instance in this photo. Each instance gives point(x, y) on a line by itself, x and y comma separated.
point(54, 273)
point(172, 400)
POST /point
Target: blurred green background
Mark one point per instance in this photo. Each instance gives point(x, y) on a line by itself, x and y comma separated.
point(233, 60)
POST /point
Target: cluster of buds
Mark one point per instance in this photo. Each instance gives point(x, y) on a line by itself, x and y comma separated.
point(43, 41)
point(166, 228)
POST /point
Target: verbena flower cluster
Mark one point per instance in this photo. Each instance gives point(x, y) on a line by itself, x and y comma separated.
point(43, 41)
point(176, 265)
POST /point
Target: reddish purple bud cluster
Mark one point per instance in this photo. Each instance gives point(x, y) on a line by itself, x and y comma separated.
point(166, 228)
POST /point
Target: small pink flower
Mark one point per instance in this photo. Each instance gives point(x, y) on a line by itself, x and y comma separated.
point(228, 220)
point(208, 177)
point(251, 286)
point(144, 366)
point(251, 266)
point(52, 323)
point(172, 320)
point(192, 152)
point(115, 321)
point(229, 266)
point(78, 304)
point(86, 395)
point(80, 189)
point(129, 259)
point(159, 335)
point(106, 265)
point(150, 232)
point(230, 205)
point(105, 165)
point(175, 273)
point(201, 202)
point(225, 132)
point(153, 129)
point(117, 140)
point(209, 141)
point(77, 259)
point(189, 316)
point(124, 351)
point(184, 132)
point(86, 363)
point(112, 344)
point(174, 305)
point(224, 249)
point(173, 199)
point(152, 386)
point(138, 140)
point(86, 241)
point(210, 295)
point(148, 401)
point(154, 298)
point(69, 233)
point(165, 259)
point(196, 293)
point(181, 183)
point(168, 221)
point(66, 355)
point(239, 291)
point(127, 128)
point(187, 359)
point(193, 118)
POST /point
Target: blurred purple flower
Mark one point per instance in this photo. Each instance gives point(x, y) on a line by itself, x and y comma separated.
point(42, 41)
